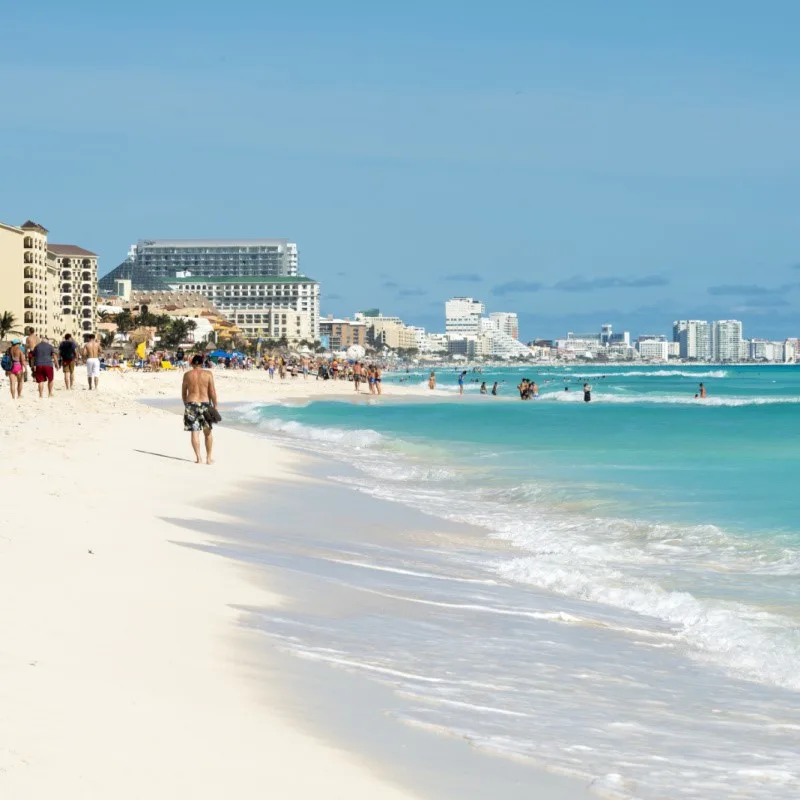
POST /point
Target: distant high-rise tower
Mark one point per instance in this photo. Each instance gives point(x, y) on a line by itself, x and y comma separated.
point(726, 340)
point(463, 316)
point(506, 322)
point(694, 337)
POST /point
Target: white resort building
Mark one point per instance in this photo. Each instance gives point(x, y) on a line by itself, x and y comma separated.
point(262, 307)
point(463, 316)
point(694, 338)
point(726, 341)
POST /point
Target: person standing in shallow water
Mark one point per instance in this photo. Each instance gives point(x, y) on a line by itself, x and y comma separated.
point(702, 391)
point(199, 394)
point(432, 380)
point(587, 393)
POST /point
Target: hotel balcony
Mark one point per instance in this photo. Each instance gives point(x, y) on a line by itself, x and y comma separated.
point(66, 300)
point(66, 275)
point(28, 243)
point(28, 273)
point(87, 313)
point(28, 287)
point(87, 324)
point(87, 276)
point(86, 288)
point(87, 301)
point(28, 258)
point(28, 302)
point(29, 316)
point(66, 312)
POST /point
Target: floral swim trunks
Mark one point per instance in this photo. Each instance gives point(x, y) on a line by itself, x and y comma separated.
point(194, 416)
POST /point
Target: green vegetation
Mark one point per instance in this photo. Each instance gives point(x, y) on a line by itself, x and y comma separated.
point(8, 323)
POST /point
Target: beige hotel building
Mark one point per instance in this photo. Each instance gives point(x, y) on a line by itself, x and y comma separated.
point(49, 288)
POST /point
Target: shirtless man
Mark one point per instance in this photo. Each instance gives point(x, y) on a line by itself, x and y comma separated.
point(31, 340)
point(198, 394)
point(91, 352)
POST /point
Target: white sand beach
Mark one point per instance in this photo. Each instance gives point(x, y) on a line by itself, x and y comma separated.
point(123, 672)
point(119, 674)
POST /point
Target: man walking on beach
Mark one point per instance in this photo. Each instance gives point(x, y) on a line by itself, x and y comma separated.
point(43, 357)
point(199, 395)
point(91, 352)
point(31, 340)
point(68, 352)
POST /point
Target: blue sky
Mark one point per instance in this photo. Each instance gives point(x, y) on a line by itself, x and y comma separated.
point(576, 162)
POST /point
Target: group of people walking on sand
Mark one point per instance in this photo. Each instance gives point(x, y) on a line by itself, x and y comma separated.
point(43, 358)
point(369, 374)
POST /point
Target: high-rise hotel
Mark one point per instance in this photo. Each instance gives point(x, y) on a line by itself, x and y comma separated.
point(49, 288)
point(255, 283)
point(154, 263)
point(719, 341)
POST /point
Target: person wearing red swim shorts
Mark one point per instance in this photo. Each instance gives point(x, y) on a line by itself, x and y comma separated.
point(43, 359)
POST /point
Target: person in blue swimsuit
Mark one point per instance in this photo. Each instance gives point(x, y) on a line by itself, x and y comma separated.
point(461, 382)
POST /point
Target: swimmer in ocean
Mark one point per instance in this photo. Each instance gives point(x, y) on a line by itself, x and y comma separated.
point(587, 393)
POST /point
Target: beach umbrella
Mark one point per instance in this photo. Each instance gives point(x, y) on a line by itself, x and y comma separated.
point(356, 352)
point(218, 354)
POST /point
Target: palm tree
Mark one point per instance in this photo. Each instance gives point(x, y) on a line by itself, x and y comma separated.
point(7, 324)
point(124, 321)
point(176, 331)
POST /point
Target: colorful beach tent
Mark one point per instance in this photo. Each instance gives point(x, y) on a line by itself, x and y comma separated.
point(223, 354)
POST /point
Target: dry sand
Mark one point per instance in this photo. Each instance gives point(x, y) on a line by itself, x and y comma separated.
point(123, 673)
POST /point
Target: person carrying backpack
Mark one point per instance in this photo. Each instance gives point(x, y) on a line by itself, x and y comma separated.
point(13, 364)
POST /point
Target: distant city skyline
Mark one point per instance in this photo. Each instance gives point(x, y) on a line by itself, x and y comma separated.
point(622, 163)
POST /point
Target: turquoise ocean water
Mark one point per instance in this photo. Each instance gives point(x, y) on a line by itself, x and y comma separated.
point(630, 611)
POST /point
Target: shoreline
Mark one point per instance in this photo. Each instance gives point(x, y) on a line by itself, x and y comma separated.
point(125, 669)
